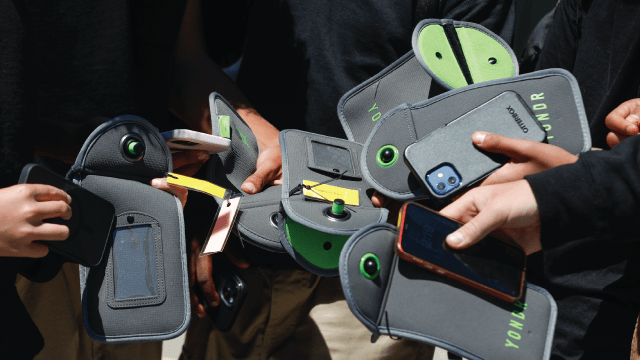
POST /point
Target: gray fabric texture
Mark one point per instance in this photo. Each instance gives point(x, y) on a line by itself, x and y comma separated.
point(296, 167)
point(552, 95)
point(231, 168)
point(457, 24)
point(136, 314)
point(451, 144)
point(420, 305)
point(404, 81)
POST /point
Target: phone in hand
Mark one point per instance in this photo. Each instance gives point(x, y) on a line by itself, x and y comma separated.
point(92, 218)
point(184, 139)
point(446, 161)
point(492, 266)
point(232, 290)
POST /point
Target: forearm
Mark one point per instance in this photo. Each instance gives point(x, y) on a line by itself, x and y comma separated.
point(198, 76)
point(598, 195)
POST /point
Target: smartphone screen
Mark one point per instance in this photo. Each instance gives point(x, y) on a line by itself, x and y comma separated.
point(490, 262)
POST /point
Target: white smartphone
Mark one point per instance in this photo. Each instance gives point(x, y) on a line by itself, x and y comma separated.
point(183, 139)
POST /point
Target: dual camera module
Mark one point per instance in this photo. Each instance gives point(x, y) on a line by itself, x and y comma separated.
point(443, 179)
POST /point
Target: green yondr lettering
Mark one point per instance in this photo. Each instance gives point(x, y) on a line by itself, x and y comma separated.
point(510, 344)
point(244, 138)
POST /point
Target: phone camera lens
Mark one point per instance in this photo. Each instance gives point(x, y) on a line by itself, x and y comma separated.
point(230, 293)
point(452, 180)
point(441, 186)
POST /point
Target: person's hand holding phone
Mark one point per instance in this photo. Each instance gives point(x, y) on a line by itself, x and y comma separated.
point(22, 211)
point(510, 208)
point(623, 122)
point(527, 157)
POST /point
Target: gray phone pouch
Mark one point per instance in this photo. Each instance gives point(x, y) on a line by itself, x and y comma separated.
point(309, 231)
point(256, 221)
point(140, 290)
point(407, 301)
point(552, 96)
point(452, 53)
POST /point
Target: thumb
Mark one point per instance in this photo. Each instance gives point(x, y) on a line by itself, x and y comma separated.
point(513, 148)
point(475, 230)
point(257, 180)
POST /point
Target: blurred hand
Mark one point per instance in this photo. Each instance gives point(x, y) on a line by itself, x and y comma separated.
point(22, 211)
point(201, 283)
point(268, 170)
point(189, 162)
point(510, 208)
point(178, 191)
point(527, 157)
point(623, 122)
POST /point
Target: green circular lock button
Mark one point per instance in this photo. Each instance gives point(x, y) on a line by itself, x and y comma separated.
point(337, 207)
point(387, 155)
point(369, 266)
point(135, 148)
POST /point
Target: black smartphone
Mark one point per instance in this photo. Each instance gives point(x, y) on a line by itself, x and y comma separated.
point(91, 220)
point(446, 161)
point(492, 265)
point(232, 290)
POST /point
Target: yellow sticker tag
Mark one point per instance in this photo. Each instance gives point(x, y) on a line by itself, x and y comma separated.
point(197, 185)
point(329, 193)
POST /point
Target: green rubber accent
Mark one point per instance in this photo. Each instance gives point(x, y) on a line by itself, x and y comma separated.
point(478, 48)
point(309, 244)
point(225, 127)
point(131, 148)
point(364, 258)
point(396, 155)
point(432, 40)
point(337, 208)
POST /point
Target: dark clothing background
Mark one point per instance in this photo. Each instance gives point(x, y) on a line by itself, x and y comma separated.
point(590, 263)
point(300, 57)
point(70, 61)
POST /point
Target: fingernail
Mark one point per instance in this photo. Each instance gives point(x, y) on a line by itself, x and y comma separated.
point(203, 156)
point(155, 182)
point(455, 239)
point(248, 188)
point(69, 199)
point(478, 137)
point(631, 129)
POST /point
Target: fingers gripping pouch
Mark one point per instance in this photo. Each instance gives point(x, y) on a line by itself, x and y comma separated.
point(552, 96)
point(256, 221)
point(443, 50)
point(313, 227)
point(139, 292)
point(406, 301)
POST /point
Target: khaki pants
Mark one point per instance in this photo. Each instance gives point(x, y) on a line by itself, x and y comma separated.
point(292, 314)
point(57, 311)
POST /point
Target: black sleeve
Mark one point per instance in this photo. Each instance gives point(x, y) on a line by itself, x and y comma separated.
point(496, 15)
point(599, 196)
point(561, 45)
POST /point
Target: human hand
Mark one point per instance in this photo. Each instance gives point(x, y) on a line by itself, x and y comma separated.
point(510, 208)
point(178, 191)
point(188, 162)
point(201, 283)
point(268, 170)
point(22, 211)
point(623, 122)
point(527, 157)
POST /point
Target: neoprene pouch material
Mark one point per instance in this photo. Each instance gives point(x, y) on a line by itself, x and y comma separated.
point(140, 290)
point(256, 220)
point(441, 50)
point(308, 232)
point(407, 301)
point(451, 146)
point(552, 96)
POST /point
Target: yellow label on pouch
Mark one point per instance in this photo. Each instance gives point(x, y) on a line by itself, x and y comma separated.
point(197, 185)
point(329, 193)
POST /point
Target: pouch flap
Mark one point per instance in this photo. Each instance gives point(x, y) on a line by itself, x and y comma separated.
point(458, 53)
point(552, 95)
point(307, 227)
point(255, 219)
point(410, 302)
